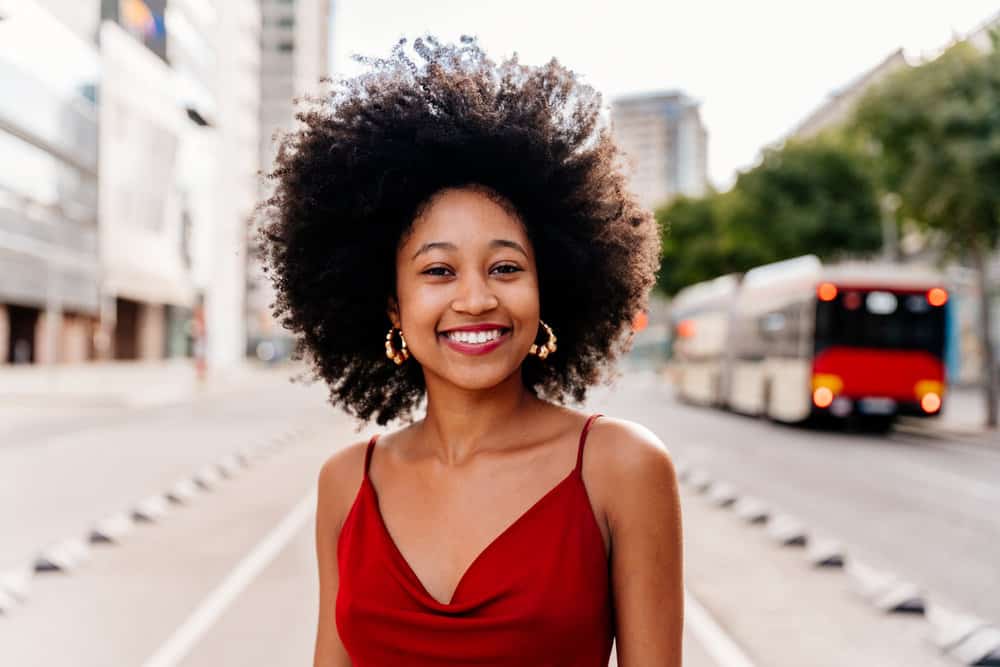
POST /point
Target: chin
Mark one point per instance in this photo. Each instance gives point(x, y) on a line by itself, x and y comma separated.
point(479, 381)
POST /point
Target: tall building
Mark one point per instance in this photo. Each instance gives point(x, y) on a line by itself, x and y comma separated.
point(49, 261)
point(666, 144)
point(294, 45)
point(237, 164)
point(146, 271)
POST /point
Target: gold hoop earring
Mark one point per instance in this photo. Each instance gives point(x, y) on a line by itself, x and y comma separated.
point(548, 347)
point(400, 355)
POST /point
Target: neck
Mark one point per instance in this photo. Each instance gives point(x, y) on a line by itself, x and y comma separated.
point(461, 422)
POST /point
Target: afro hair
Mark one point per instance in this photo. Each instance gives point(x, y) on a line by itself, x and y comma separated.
point(365, 159)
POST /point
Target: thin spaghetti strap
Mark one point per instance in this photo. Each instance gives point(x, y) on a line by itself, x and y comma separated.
point(583, 439)
point(368, 453)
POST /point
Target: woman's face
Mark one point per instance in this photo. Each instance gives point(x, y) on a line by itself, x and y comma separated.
point(467, 290)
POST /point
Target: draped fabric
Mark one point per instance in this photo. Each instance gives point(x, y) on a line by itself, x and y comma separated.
point(537, 595)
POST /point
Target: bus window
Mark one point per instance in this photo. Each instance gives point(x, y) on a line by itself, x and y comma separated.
point(880, 319)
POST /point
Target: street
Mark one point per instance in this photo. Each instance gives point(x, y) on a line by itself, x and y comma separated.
point(228, 577)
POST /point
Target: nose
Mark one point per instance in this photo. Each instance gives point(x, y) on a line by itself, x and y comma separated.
point(475, 296)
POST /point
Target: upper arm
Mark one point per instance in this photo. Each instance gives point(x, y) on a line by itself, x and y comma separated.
point(338, 482)
point(644, 518)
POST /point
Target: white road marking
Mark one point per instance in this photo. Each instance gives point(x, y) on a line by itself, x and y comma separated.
point(720, 646)
point(212, 607)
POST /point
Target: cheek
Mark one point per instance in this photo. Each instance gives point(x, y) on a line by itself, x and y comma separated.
point(522, 298)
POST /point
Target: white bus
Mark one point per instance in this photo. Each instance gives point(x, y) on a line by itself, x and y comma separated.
point(796, 340)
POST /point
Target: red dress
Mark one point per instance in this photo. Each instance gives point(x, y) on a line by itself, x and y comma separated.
point(537, 596)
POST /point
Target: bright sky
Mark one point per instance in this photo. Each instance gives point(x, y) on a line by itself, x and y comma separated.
point(757, 67)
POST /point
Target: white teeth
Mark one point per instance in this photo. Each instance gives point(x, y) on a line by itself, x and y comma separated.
point(474, 337)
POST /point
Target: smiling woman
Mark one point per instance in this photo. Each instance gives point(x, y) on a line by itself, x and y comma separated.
point(458, 230)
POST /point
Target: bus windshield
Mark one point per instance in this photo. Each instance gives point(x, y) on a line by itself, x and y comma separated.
point(880, 319)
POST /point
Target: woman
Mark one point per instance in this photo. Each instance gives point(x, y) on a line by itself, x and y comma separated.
point(459, 231)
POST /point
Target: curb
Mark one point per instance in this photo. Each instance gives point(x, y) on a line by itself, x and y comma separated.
point(69, 555)
point(111, 529)
point(965, 638)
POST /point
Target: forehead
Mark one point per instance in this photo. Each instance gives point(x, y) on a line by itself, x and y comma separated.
point(465, 217)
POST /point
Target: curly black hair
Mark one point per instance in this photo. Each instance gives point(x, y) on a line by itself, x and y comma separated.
point(367, 157)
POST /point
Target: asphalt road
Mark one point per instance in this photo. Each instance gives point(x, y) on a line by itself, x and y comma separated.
point(925, 509)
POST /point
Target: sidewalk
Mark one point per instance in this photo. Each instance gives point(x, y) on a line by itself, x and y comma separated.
point(30, 394)
point(133, 383)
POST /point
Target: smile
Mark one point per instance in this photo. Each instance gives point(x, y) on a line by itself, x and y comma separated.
point(475, 342)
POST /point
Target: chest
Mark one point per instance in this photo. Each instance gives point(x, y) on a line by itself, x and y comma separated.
point(443, 532)
point(538, 595)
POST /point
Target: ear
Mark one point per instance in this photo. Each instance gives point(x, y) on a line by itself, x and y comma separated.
point(392, 311)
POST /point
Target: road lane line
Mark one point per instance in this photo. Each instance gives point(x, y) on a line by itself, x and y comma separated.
point(211, 608)
point(713, 638)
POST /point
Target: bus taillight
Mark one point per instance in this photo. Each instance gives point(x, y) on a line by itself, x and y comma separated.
point(826, 291)
point(937, 296)
point(822, 397)
point(929, 394)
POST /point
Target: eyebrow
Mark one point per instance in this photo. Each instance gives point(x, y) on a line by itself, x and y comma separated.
point(445, 245)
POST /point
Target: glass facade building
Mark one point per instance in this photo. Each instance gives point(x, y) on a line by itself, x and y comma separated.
point(49, 264)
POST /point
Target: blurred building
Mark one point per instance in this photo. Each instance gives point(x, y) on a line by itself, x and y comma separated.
point(83, 17)
point(666, 143)
point(49, 263)
point(142, 248)
point(204, 56)
point(294, 44)
point(126, 258)
point(839, 106)
point(237, 161)
point(980, 37)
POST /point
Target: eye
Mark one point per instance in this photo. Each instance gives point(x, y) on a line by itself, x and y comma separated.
point(507, 268)
point(436, 271)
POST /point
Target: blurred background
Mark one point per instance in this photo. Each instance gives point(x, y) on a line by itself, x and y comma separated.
point(819, 353)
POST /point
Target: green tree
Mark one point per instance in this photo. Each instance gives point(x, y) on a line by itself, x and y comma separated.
point(692, 248)
point(935, 132)
point(806, 197)
point(817, 196)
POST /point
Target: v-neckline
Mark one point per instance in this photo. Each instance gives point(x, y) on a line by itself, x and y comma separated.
point(482, 554)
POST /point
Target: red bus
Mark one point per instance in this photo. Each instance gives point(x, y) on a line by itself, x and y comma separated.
point(797, 340)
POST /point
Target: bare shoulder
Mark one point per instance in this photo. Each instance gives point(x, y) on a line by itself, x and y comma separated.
point(628, 452)
point(339, 479)
point(345, 463)
point(642, 505)
point(630, 470)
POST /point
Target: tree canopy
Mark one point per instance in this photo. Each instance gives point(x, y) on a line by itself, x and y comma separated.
point(934, 132)
point(815, 196)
